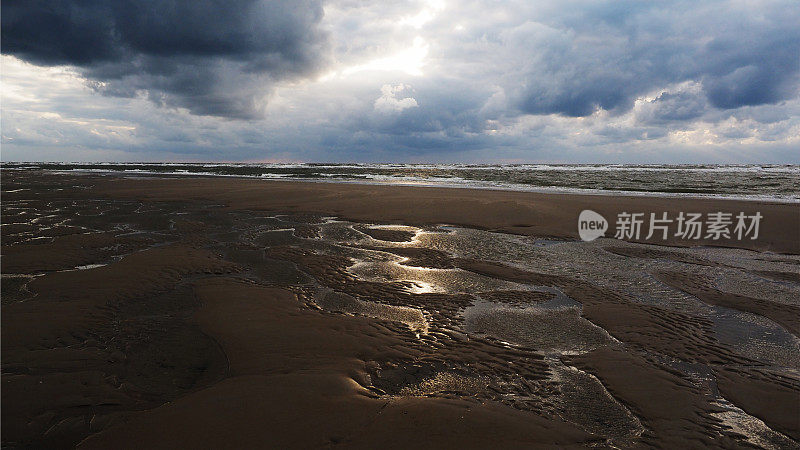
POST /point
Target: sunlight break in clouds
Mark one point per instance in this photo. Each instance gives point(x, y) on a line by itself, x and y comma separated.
point(409, 61)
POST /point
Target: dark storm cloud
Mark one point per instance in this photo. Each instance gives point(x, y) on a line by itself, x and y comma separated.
point(604, 55)
point(213, 57)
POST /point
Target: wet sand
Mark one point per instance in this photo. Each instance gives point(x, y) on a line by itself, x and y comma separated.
point(532, 214)
point(229, 313)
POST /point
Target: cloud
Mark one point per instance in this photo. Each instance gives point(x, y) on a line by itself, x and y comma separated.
point(681, 103)
point(575, 58)
point(218, 58)
point(388, 102)
point(552, 80)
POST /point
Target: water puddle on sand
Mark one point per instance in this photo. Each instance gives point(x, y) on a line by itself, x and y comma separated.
point(330, 300)
point(399, 235)
point(584, 401)
point(520, 314)
point(446, 382)
point(445, 281)
point(753, 336)
point(755, 430)
point(757, 337)
point(546, 330)
point(89, 266)
point(520, 318)
point(86, 267)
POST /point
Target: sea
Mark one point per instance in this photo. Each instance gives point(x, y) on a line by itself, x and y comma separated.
point(751, 182)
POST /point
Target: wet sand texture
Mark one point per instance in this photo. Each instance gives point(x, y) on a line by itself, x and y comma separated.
point(225, 313)
point(513, 212)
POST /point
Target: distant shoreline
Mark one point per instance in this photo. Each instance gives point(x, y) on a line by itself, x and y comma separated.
point(443, 182)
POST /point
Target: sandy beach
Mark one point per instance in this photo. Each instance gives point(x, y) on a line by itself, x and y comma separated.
point(164, 312)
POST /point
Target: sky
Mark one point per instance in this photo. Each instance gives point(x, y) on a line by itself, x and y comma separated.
point(422, 81)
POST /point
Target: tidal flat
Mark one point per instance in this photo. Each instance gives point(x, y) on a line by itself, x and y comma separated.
point(163, 312)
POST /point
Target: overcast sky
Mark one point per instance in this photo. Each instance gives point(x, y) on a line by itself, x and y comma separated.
point(402, 81)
